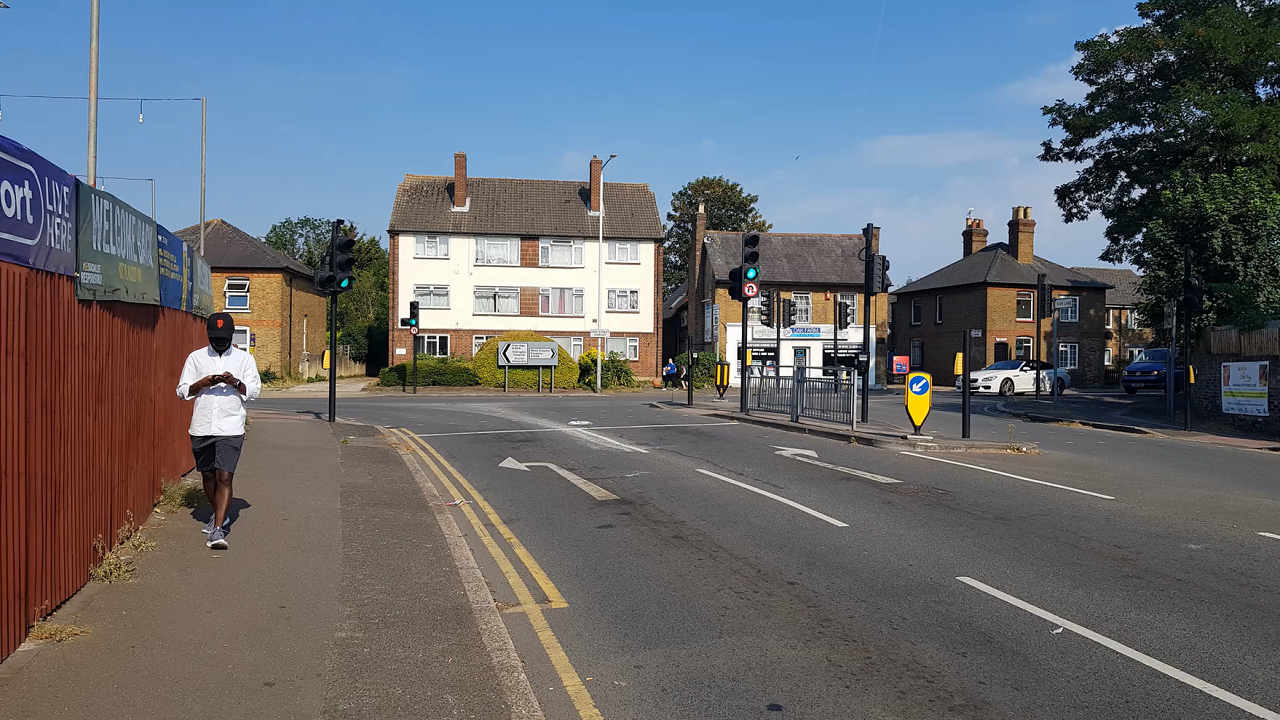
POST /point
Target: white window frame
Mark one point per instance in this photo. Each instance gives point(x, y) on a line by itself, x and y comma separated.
point(248, 334)
point(1133, 353)
point(432, 292)
point(237, 287)
point(422, 340)
point(577, 252)
point(490, 290)
point(852, 299)
point(577, 295)
point(1071, 314)
point(1018, 298)
point(482, 251)
point(1072, 351)
point(937, 310)
point(916, 354)
point(574, 346)
point(611, 300)
point(1106, 357)
point(616, 255)
point(420, 249)
point(632, 349)
point(1131, 319)
point(477, 341)
point(804, 311)
point(1031, 350)
point(917, 311)
point(1107, 324)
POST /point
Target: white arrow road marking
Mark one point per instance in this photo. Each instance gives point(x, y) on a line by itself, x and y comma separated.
point(809, 456)
point(1015, 477)
point(1173, 672)
point(587, 486)
point(779, 498)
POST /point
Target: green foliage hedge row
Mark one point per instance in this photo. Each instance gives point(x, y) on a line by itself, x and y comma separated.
point(446, 372)
point(615, 372)
point(485, 364)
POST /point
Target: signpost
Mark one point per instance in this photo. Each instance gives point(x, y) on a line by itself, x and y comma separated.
point(1060, 304)
point(722, 377)
point(919, 399)
point(529, 355)
point(965, 392)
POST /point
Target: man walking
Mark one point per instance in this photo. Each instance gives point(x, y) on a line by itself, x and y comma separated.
point(220, 378)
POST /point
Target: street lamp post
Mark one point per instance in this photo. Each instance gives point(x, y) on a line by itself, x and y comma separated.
point(93, 94)
point(600, 276)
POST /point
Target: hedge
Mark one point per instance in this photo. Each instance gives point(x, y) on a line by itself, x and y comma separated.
point(447, 372)
point(485, 364)
point(615, 372)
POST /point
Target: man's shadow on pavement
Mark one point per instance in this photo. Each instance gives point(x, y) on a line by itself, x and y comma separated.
point(204, 513)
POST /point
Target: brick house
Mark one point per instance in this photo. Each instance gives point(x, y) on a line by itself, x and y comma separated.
point(484, 256)
point(280, 317)
point(816, 271)
point(1127, 332)
point(993, 288)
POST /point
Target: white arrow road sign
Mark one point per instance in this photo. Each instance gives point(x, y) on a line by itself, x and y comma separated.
point(809, 456)
point(589, 487)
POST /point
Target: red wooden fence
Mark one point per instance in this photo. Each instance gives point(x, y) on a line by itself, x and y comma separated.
point(89, 426)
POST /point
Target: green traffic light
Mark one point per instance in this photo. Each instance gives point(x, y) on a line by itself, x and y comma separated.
point(752, 273)
point(345, 283)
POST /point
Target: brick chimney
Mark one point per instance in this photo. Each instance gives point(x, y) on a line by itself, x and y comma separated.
point(874, 240)
point(692, 288)
point(1022, 233)
point(460, 198)
point(596, 168)
point(975, 236)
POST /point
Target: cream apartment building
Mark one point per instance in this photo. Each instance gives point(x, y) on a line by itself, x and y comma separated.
point(484, 256)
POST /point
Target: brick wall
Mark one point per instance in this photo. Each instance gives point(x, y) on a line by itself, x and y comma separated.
point(1123, 337)
point(1206, 394)
point(277, 335)
point(528, 252)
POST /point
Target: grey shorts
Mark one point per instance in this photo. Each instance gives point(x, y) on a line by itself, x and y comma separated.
point(216, 452)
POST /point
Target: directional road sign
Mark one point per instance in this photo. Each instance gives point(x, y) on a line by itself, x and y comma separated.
point(528, 354)
point(919, 398)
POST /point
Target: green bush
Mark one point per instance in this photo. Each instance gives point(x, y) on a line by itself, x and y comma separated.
point(615, 372)
point(357, 340)
point(704, 372)
point(440, 372)
point(268, 376)
point(485, 364)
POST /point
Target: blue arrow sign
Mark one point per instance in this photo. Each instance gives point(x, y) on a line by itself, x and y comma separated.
point(920, 386)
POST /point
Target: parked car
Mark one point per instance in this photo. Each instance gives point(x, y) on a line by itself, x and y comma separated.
point(1148, 370)
point(1017, 376)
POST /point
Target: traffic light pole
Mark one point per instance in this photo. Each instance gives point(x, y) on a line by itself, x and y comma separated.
point(1186, 343)
point(964, 387)
point(778, 321)
point(742, 357)
point(688, 339)
point(869, 258)
point(333, 355)
point(414, 342)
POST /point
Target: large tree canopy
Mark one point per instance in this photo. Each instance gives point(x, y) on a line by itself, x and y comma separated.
point(728, 207)
point(1175, 107)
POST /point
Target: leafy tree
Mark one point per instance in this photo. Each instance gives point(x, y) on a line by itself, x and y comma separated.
point(305, 239)
point(728, 207)
point(1176, 107)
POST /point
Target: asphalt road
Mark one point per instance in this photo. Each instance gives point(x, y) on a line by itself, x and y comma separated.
point(743, 572)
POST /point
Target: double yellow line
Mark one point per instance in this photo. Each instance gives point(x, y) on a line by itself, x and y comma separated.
point(532, 609)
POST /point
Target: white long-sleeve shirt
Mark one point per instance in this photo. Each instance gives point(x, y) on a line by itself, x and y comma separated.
point(219, 409)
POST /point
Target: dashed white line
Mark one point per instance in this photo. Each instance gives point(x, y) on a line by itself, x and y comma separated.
point(1173, 672)
point(1273, 536)
point(779, 498)
point(1015, 477)
point(611, 441)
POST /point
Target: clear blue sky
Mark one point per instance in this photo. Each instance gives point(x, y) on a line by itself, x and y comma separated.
point(319, 107)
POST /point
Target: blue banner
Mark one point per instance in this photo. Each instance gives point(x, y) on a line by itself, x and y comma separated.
point(174, 266)
point(37, 211)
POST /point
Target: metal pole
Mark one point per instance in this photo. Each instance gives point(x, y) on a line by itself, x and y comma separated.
point(835, 337)
point(1057, 365)
point(1186, 344)
point(742, 359)
point(333, 357)
point(1170, 366)
point(964, 388)
point(415, 363)
point(867, 233)
point(600, 275)
point(153, 199)
point(203, 125)
point(93, 93)
point(551, 389)
point(1038, 308)
point(539, 379)
point(689, 367)
point(506, 374)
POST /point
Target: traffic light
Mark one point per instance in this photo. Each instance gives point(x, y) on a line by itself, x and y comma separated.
point(878, 274)
point(750, 275)
point(329, 278)
point(735, 283)
point(845, 315)
point(344, 261)
point(1193, 292)
point(767, 307)
point(413, 314)
point(788, 313)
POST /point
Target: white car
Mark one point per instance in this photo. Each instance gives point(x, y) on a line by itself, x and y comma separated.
point(1008, 377)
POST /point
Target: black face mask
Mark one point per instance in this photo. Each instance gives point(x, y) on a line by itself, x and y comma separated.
point(220, 345)
point(221, 327)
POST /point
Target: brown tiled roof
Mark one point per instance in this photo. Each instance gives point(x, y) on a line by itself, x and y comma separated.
point(994, 265)
point(228, 247)
point(798, 258)
point(504, 206)
point(1126, 285)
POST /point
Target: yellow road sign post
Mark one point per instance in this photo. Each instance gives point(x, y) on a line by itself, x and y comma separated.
point(919, 398)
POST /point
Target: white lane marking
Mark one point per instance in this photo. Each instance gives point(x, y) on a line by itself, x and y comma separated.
point(1173, 672)
point(1270, 535)
point(1015, 477)
point(611, 441)
point(779, 498)
point(587, 486)
point(573, 429)
point(809, 456)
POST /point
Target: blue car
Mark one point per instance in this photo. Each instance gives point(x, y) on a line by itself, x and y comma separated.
point(1148, 372)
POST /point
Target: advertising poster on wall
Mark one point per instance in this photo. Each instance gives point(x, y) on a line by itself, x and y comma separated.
point(37, 211)
point(1244, 388)
point(201, 300)
point(116, 250)
point(174, 266)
